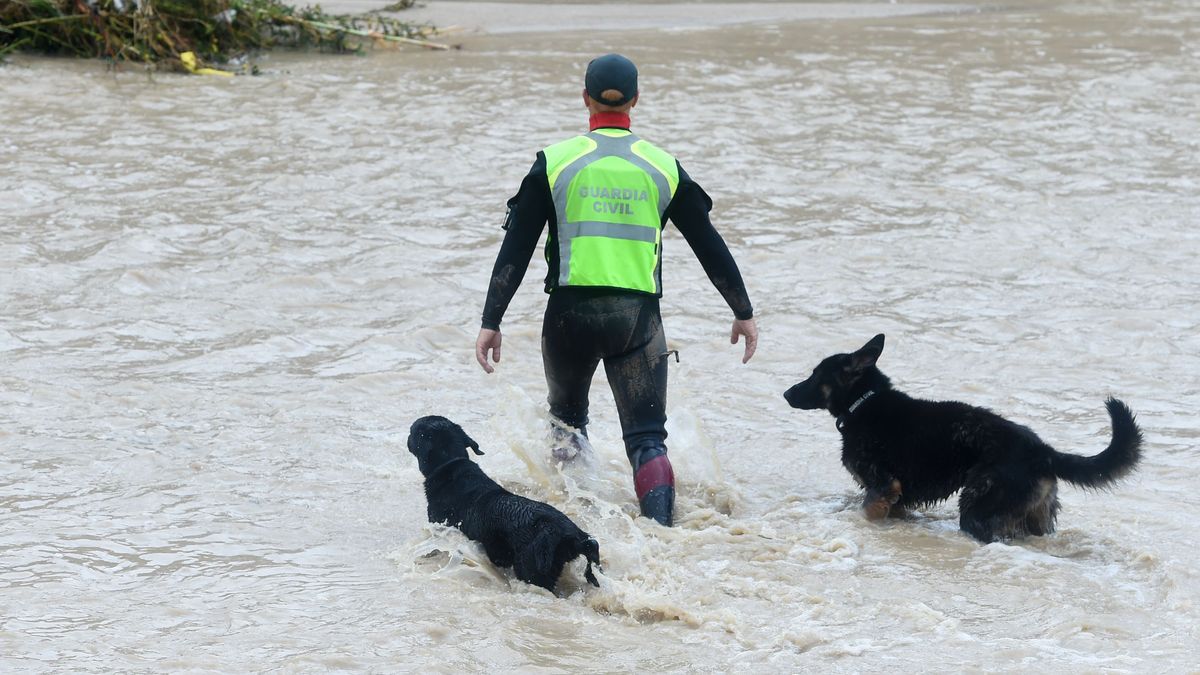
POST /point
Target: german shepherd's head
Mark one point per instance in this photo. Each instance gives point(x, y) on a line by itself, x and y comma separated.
point(839, 380)
point(436, 440)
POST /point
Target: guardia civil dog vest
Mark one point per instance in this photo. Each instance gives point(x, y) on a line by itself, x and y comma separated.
point(610, 191)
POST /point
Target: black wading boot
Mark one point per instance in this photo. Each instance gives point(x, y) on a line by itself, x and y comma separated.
point(566, 444)
point(653, 480)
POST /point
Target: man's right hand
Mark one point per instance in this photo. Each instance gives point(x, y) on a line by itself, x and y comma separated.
point(749, 330)
point(488, 340)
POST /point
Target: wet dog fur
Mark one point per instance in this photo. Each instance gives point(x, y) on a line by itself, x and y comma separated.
point(533, 538)
point(909, 452)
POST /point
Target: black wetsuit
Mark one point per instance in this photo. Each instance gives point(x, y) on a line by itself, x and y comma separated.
point(622, 328)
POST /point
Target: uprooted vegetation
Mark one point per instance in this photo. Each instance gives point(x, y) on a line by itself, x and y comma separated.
point(162, 33)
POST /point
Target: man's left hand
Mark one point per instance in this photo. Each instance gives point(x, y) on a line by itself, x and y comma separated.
point(488, 341)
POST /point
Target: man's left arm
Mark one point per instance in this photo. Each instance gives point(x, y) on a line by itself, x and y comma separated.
point(527, 214)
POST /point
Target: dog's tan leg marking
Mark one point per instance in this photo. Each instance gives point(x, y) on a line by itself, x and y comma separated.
point(877, 505)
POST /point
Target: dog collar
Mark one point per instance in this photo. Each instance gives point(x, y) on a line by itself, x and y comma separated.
point(443, 465)
point(840, 423)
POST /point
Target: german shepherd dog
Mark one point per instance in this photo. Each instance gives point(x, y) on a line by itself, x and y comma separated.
point(908, 452)
point(533, 538)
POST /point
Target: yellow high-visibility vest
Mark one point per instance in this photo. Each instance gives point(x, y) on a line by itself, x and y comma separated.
point(610, 191)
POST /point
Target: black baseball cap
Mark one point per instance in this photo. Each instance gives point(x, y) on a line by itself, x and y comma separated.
point(611, 71)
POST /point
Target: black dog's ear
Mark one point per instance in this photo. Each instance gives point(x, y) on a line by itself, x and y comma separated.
point(472, 444)
point(867, 356)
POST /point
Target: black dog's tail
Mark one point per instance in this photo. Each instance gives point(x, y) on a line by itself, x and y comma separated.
point(1117, 460)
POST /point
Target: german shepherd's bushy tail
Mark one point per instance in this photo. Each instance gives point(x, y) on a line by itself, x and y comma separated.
point(1117, 460)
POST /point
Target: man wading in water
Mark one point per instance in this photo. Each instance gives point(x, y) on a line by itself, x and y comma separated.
point(607, 196)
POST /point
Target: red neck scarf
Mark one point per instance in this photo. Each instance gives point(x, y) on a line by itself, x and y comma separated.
point(609, 119)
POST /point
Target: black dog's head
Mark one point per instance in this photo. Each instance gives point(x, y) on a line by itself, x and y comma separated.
point(436, 440)
point(590, 550)
point(837, 380)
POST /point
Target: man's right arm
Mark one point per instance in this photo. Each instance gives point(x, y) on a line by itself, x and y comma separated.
point(689, 211)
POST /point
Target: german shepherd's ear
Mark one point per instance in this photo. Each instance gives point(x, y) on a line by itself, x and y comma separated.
point(867, 356)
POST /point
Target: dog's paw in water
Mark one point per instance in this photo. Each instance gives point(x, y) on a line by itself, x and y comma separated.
point(878, 505)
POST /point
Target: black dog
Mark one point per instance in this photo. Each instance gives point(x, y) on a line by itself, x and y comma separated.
point(908, 452)
point(533, 538)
